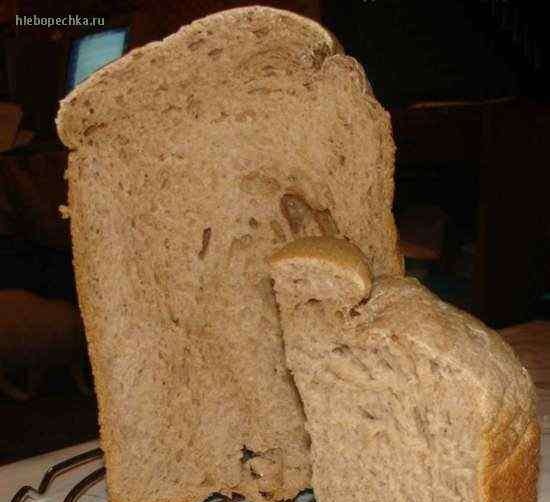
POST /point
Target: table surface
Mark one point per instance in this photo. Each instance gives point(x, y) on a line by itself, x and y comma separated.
point(530, 341)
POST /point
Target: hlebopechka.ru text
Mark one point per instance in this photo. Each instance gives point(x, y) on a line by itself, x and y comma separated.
point(49, 22)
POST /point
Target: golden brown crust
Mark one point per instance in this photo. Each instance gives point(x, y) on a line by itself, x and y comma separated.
point(514, 477)
point(337, 252)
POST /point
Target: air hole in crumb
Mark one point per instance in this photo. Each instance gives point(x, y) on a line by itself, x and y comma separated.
point(341, 349)
point(261, 32)
point(354, 313)
point(326, 222)
point(93, 128)
point(267, 495)
point(296, 211)
point(207, 481)
point(367, 414)
point(253, 222)
point(305, 496)
point(193, 46)
point(339, 315)
point(215, 497)
point(206, 234)
point(362, 302)
point(247, 454)
point(215, 52)
point(237, 497)
point(387, 364)
point(313, 301)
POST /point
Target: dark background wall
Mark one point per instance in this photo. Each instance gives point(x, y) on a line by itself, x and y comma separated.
point(446, 50)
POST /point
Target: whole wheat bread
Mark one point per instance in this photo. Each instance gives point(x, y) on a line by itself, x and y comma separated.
point(191, 161)
point(406, 397)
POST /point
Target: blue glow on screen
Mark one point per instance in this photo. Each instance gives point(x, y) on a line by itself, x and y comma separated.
point(91, 52)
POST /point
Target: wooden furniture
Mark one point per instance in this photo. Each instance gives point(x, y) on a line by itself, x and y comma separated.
point(503, 144)
point(513, 211)
point(422, 232)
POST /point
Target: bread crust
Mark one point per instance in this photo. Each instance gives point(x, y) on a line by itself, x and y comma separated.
point(510, 470)
point(325, 251)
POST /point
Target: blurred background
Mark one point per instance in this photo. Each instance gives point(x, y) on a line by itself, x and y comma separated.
point(466, 84)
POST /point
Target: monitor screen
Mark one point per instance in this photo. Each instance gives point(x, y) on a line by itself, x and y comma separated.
point(91, 52)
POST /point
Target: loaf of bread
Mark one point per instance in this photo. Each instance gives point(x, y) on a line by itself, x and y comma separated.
point(192, 160)
point(406, 397)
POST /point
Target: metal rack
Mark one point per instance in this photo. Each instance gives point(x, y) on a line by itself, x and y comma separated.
point(24, 492)
point(82, 486)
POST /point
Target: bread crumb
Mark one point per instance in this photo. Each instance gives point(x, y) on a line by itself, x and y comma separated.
point(65, 212)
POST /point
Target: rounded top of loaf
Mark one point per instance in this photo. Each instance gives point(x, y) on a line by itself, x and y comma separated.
point(329, 267)
point(251, 114)
point(74, 107)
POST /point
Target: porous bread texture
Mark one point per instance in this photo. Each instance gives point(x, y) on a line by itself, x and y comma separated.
point(338, 271)
point(406, 397)
point(192, 160)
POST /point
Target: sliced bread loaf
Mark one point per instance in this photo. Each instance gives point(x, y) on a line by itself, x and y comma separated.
point(191, 161)
point(406, 397)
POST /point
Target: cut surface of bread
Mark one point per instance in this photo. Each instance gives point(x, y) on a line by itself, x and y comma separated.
point(191, 161)
point(406, 397)
point(338, 266)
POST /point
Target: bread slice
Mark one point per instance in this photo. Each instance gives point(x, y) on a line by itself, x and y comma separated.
point(407, 398)
point(191, 161)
